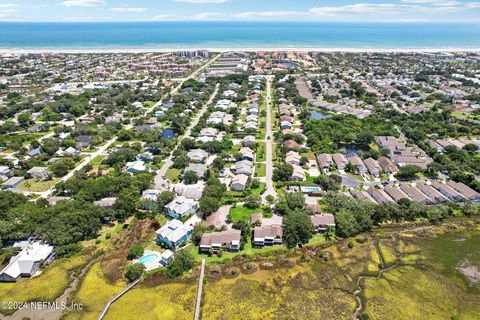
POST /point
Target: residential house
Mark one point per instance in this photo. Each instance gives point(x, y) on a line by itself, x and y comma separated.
point(356, 161)
point(244, 167)
point(12, 183)
point(197, 155)
point(106, 203)
point(387, 165)
point(298, 174)
point(38, 172)
point(83, 142)
point(340, 161)
point(249, 141)
point(431, 192)
point(325, 160)
point(362, 195)
point(396, 193)
point(173, 234)
point(181, 207)
point(465, 191)
point(293, 158)
point(28, 261)
point(321, 222)
point(415, 194)
point(267, 235)
point(448, 192)
point(291, 145)
point(247, 153)
point(226, 240)
point(380, 196)
point(373, 167)
point(198, 168)
point(239, 182)
point(167, 256)
point(191, 191)
point(136, 166)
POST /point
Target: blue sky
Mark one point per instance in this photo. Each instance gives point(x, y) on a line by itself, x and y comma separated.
point(465, 11)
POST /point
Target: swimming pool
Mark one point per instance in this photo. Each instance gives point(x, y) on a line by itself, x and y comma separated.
point(149, 258)
point(310, 189)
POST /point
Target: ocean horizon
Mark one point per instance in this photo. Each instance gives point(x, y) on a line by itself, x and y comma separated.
point(224, 34)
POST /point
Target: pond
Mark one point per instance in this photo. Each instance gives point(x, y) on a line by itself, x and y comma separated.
point(317, 115)
point(168, 134)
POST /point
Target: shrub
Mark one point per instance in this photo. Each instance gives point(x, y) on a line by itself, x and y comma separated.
point(134, 271)
point(134, 251)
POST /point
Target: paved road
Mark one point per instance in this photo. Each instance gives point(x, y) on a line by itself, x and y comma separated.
point(160, 181)
point(270, 190)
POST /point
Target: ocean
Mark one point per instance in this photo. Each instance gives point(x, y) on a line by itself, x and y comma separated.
point(178, 35)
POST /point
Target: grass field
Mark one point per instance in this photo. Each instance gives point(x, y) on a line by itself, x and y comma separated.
point(37, 185)
point(260, 152)
point(239, 213)
point(258, 190)
point(173, 301)
point(94, 291)
point(173, 174)
point(260, 169)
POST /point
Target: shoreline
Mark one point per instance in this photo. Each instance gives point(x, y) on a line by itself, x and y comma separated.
point(4, 51)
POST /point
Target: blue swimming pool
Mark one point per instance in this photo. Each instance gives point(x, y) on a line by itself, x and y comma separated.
point(311, 189)
point(149, 258)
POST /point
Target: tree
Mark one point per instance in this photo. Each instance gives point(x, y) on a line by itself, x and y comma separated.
point(190, 177)
point(330, 233)
point(209, 205)
point(165, 198)
point(297, 228)
point(283, 172)
point(181, 162)
point(24, 119)
point(135, 251)
point(244, 227)
point(181, 263)
point(127, 203)
point(218, 163)
point(59, 168)
point(346, 225)
point(295, 200)
point(332, 182)
point(408, 172)
point(252, 202)
point(134, 271)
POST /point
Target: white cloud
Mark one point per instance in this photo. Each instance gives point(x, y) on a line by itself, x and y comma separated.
point(7, 5)
point(377, 9)
point(128, 9)
point(82, 3)
point(11, 17)
point(209, 16)
point(203, 1)
point(270, 14)
point(164, 17)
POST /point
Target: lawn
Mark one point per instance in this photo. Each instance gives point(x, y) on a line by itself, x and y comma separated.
point(38, 185)
point(239, 213)
point(97, 161)
point(173, 174)
point(260, 169)
point(258, 190)
point(260, 152)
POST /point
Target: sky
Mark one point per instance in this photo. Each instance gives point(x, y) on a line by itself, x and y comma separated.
point(435, 11)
